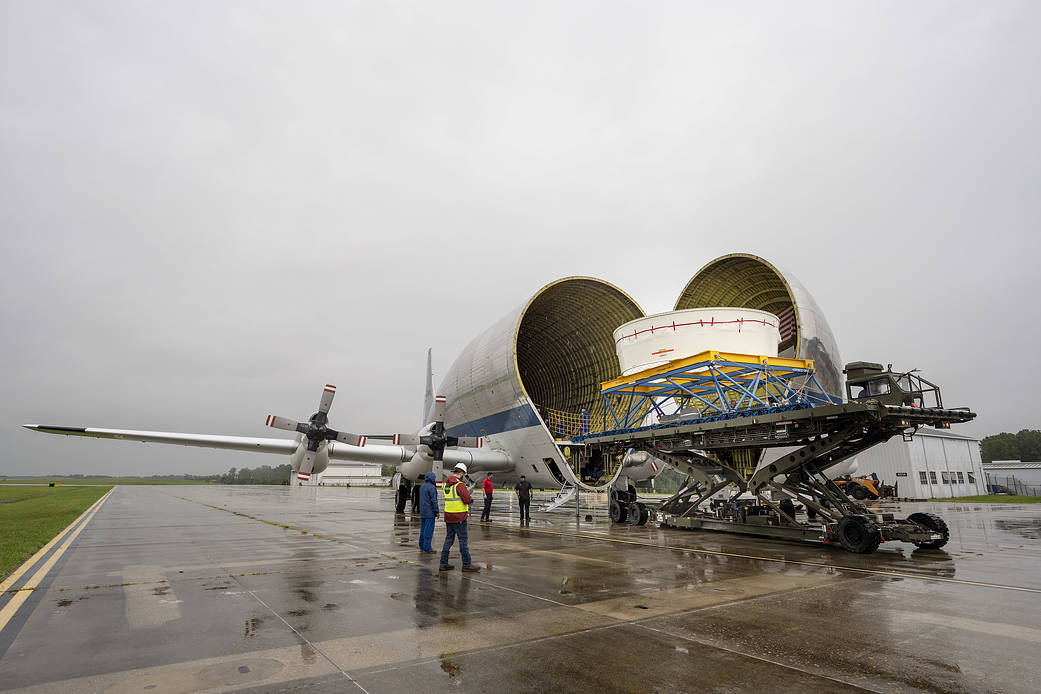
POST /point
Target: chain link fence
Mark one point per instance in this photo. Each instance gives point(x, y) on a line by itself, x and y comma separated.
point(999, 484)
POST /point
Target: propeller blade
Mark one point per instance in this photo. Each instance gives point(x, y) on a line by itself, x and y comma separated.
point(281, 423)
point(306, 465)
point(439, 408)
point(351, 439)
point(327, 399)
point(466, 441)
point(406, 440)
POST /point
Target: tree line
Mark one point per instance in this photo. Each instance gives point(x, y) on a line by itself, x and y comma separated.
point(265, 474)
point(1025, 446)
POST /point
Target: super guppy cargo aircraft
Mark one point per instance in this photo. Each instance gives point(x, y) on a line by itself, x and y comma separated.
point(508, 403)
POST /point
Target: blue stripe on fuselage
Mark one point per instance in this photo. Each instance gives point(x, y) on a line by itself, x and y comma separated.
point(520, 417)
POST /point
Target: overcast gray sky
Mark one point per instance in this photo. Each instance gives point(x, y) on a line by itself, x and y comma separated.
point(210, 209)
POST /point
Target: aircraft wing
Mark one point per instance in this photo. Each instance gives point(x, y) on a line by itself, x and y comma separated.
point(233, 443)
point(384, 455)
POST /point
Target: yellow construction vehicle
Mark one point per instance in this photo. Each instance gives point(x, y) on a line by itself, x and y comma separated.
point(861, 488)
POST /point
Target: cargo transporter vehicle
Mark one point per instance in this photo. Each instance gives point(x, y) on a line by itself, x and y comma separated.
point(758, 437)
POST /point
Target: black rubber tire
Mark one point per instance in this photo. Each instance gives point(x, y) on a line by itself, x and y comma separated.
point(415, 499)
point(859, 534)
point(857, 491)
point(617, 511)
point(400, 498)
point(632, 493)
point(638, 513)
point(934, 523)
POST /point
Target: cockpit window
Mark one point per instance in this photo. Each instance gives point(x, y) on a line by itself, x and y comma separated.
point(879, 386)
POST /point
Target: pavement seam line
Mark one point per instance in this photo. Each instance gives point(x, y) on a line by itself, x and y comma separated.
point(519, 592)
point(12, 607)
point(490, 649)
point(835, 567)
point(691, 639)
point(28, 563)
point(256, 597)
point(310, 645)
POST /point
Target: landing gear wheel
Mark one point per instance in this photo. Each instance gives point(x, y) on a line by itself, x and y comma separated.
point(617, 512)
point(632, 493)
point(638, 513)
point(858, 492)
point(935, 524)
point(415, 499)
point(859, 534)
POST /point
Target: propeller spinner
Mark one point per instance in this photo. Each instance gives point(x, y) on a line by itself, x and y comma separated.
point(316, 430)
point(436, 440)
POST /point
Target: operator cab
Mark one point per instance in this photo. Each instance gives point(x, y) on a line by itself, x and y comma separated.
point(869, 381)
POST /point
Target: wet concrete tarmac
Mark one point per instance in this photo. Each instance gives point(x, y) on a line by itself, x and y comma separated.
point(274, 589)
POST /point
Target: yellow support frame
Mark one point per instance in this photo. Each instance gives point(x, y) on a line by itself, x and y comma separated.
point(701, 357)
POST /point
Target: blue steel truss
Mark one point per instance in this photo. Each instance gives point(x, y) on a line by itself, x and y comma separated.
point(708, 387)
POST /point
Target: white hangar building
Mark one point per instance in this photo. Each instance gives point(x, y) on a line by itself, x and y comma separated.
point(356, 475)
point(935, 463)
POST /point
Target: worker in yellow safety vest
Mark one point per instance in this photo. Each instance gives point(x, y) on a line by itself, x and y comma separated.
point(457, 510)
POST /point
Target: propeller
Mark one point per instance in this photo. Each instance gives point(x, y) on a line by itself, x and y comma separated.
point(316, 430)
point(436, 440)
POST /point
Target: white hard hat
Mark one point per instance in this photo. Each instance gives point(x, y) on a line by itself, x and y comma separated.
point(461, 466)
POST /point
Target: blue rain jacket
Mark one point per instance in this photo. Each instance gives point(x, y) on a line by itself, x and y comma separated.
point(428, 497)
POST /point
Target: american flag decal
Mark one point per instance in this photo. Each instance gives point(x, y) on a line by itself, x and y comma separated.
point(787, 326)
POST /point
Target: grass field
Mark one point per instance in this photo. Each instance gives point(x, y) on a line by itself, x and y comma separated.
point(106, 481)
point(31, 516)
point(996, 499)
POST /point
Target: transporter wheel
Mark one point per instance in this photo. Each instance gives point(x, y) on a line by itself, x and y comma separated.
point(617, 512)
point(934, 523)
point(638, 513)
point(859, 534)
point(858, 492)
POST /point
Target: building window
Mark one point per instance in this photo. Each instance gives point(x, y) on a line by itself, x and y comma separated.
point(945, 477)
point(922, 477)
point(932, 477)
point(961, 477)
point(972, 478)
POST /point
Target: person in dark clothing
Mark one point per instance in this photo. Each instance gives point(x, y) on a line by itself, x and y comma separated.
point(457, 509)
point(486, 514)
point(523, 489)
point(428, 511)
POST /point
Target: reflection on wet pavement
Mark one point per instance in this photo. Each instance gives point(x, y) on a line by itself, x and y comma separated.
point(319, 588)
